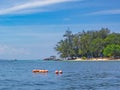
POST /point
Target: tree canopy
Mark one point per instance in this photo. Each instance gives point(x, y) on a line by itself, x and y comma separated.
point(94, 43)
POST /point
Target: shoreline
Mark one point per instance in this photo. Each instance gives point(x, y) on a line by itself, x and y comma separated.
point(95, 59)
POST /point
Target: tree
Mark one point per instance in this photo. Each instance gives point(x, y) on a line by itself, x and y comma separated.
point(85, 41)
point(65, 47)
point(97, 47)
point(61, 47)
point(89, 44)
point(103, 33)
point(112, 50)
point(69, 42)
point(76, 44)
point(113, 38)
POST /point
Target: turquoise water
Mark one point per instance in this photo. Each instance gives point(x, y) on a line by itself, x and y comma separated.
point(17, 75)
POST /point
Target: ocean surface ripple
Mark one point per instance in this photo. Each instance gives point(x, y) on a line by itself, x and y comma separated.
point(17, 75)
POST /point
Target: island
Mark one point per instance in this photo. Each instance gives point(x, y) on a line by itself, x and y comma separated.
point(89, 45)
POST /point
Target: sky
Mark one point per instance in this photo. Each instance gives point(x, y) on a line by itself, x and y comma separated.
point(30, 29)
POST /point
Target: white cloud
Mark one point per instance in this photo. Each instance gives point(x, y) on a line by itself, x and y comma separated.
point(106, 12)
point(30, 6)
point(7, 50)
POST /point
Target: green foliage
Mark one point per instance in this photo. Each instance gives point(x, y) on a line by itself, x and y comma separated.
point(112, 50)
point(89, 44)
point(113, 38)
point(84, 58)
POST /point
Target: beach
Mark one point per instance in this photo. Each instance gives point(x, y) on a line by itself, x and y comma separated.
point(96, 59)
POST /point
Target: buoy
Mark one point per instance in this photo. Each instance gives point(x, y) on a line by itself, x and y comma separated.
point(60, 71)
point(46, 71)
point(56, 72)
point(35, 71)
point(42, 71)
point(39, 71)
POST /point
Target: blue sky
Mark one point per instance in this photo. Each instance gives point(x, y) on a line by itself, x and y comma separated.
point(30, 29)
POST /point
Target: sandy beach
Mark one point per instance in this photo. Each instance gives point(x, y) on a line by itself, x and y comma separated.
point(96, 59)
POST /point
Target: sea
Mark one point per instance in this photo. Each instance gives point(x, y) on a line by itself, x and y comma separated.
point(81, 75)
